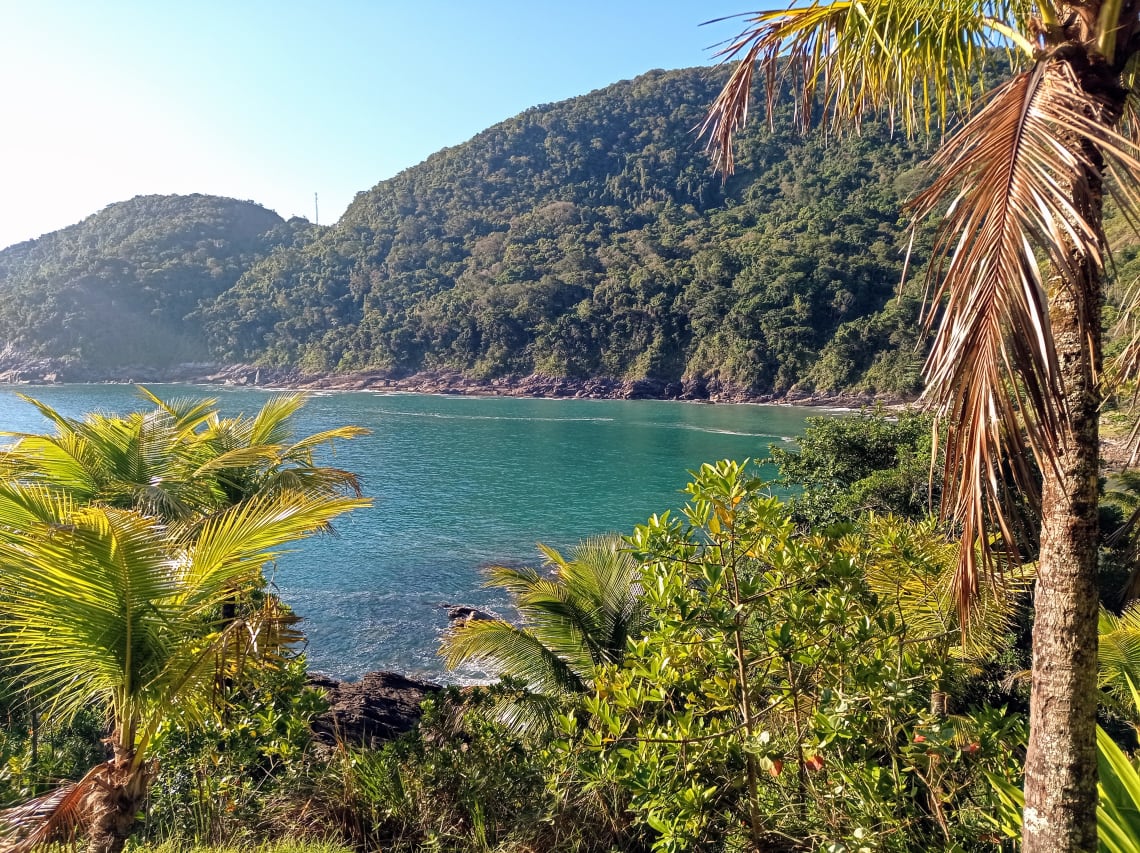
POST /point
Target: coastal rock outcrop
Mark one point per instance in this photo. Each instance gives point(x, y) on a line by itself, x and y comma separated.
point(379, 707)
point(461, 614)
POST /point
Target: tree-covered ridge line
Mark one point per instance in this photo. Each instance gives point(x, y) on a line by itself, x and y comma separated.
point(588, 238)
point(116, 289)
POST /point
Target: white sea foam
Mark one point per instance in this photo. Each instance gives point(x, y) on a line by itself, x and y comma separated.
point(444, 416)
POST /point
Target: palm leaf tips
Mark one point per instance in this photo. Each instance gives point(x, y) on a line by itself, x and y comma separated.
point(574, 620)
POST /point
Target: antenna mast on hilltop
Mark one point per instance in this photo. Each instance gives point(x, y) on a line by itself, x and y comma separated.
point(316, 211)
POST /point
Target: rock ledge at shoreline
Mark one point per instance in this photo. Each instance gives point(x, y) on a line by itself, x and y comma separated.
point(379, 707)
point(19, 369)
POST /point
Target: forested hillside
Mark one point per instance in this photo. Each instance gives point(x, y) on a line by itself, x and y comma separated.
point(591, 237)
point(118, 288)
point(585, 238)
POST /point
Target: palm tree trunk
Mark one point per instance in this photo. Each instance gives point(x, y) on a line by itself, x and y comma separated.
point(1060, 769)
point(115, 803)
point(1061, 765)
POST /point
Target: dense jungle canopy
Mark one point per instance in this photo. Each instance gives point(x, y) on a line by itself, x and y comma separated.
point(585, 238)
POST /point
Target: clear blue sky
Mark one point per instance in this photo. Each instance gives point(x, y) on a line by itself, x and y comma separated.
point(273, 101)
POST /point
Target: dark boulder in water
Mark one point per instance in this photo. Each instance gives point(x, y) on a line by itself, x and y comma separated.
point(460, 614)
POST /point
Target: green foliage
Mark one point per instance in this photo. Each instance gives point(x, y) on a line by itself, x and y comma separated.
point(132, 551)
point(592, 237)
point(1118, 652)
point(180, 461)
point(873, 461)
point(35, 753)
point(576, 618)
point(233, 780)
point(910, 565)
point(776, 691)
point(464, 783)
point(103, 608)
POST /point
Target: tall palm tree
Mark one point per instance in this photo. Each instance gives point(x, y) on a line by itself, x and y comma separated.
point(105, 608)
point(576, 617)
point(1016, 363)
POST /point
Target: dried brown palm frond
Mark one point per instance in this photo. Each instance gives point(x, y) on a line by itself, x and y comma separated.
point(54, 817)
point(913, 59)
point(1020, 178)
point(1123, 369)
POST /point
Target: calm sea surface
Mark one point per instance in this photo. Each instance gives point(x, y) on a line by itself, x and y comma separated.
point(459, 482)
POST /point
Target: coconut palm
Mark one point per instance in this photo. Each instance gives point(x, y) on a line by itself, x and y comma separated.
point(105, 608)
point(1015, 366)
point(910, 566)
point(181, 460)
point(576, 617)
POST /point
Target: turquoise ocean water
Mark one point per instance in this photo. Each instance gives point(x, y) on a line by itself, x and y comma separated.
point(459, 482)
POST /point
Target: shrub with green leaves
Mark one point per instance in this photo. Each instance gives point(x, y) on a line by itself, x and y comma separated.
point(242, 775)
point(464, 782)
point(872, 461)
point(775, 693)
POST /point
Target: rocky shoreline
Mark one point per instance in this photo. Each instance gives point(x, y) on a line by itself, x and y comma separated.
point(17, 369)
point(379, 707)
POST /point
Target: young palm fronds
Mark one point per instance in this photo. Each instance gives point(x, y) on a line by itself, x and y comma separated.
point(911, 568)
point(574, 620)
point(180, 461)
point(105, 608)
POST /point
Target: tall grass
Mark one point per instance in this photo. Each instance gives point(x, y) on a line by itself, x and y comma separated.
point(273, 847)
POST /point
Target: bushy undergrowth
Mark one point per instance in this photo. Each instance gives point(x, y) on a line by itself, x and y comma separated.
point(272, 847)
point(226, 782)
point(789, 688)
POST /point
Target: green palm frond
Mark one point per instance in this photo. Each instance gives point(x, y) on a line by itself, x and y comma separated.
point(23, 506)
point(302, 450)
point(1119, 656)
point(916, 60)
point(62, 460)
point(244, 537)
point(911, 568)
point(104, 608)
point(526, 712)
point(517, 580)
point(272, 424)
point(1118, 799)
point(514, 651)
point(136, 460)
point(188, 413)
point(82, 607)
point(575, 619)
point(181, 461)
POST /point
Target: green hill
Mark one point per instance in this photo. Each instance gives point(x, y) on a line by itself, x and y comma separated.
point(591, 237)
point(116, 288)
point(587, 238)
